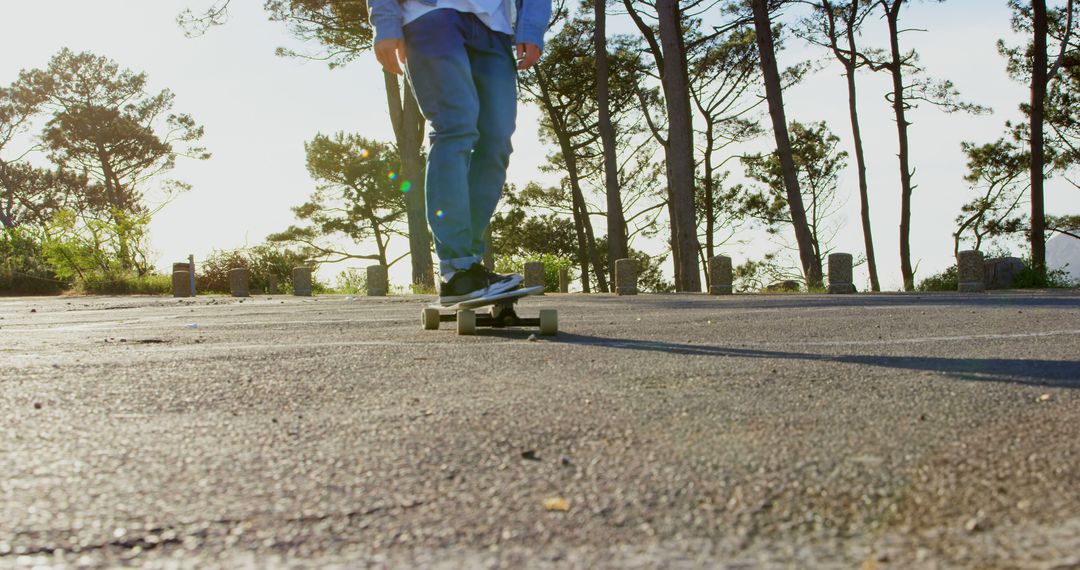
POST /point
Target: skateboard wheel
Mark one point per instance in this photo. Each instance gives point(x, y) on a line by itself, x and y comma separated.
point(466, 322)
point(430, 319)
point(549, 322)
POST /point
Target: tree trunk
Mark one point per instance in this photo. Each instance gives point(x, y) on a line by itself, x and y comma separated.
point(408, 126)
point(680, 154)
point(616, 223)
point(581, 208)
point(1038, 98)
point(774, 94)
point(583, 248)
point(860, 161)
point(380, 238)
point(710, 199)
point(892, 15)
point(673, 239)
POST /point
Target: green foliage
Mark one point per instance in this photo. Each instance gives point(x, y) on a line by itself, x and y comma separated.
point(124, 283)
point(264, 261)
point(650, 274)
point(1061, 108)
point(24, 269)
point(998, 172)
point(947, 280)
point(341, 27)
point(422, 289)
point(517, 233)
point(352, 281)
point(1029, 278)
point(759, 275)
point(359, 198)
point(818, 162)
point(552, 265)
point(83, 247)
point(84, 224)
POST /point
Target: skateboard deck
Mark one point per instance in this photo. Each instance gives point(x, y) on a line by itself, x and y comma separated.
point(501, 314)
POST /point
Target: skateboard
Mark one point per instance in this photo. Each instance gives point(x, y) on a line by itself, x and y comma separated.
point(500, 315)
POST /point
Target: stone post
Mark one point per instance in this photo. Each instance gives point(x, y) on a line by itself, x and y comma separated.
point(626, 277)
point(564, 280)
point(191, 268)
point(840, 273)
point(720, 275)
point(273, 285)
point(182, 289)
point(534, 273)
point(970, 272)
point(180, 286)
point(240, 282)
point(301, 279)
point(378, 283)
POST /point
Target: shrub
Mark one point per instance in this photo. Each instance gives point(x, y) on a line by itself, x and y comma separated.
point(352, 281)
point(947, 280)
point(124, 284)
point(1028, 278)
point(24, 270)
point(264, 261)
point(552, 265)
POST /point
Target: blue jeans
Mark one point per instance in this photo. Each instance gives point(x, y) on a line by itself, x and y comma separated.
point(464, 77)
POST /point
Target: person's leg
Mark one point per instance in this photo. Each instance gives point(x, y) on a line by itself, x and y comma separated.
point(440, 71)
point(494, 73)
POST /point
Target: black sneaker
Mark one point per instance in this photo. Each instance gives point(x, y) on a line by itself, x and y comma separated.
point(463, 286)
point(498, 283)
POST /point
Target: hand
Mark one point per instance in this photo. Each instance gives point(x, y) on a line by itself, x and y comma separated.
point(527, 55)
point(389, 53)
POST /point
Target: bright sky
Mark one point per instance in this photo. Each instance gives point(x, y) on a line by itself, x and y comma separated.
point(259, 109)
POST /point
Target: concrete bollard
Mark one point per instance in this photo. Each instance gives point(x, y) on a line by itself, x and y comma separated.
point(301, 279)
point(273, 285)
point(720, 275)
point(378, 284)
point(564, 280)
point(840, 273)
point(180, 284)
point(240, 282)
point(626, 277)
point(534, 273)
point(970, 272)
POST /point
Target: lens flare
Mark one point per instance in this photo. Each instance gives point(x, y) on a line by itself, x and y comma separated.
point(364, 153)
point(392, 175)
point(438, 213)
point(405, 187)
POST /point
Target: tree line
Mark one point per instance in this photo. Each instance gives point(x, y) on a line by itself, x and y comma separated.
point(76, 197)
point(646, 132)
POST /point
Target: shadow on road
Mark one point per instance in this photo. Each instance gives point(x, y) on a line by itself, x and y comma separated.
point(1051, 373)
point(1065, 299)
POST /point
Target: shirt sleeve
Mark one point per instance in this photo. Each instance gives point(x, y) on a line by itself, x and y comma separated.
point(533, 19)
point(385, 16)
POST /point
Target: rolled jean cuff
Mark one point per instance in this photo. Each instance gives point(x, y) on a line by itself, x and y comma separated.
point(457, 264)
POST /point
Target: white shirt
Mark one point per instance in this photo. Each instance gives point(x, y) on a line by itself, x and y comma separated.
point(495, 14)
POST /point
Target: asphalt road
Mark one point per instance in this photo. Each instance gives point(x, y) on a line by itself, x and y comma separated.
point(660, 431)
